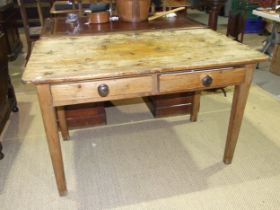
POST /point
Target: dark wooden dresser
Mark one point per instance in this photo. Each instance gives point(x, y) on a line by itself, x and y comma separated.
point(7, 95)
point(8, 26)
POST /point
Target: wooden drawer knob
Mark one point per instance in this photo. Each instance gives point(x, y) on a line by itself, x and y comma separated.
point(207, 81)
point(103, 90)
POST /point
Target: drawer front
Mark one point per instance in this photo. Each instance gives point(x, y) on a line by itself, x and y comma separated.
point(186, 81)
point(104, 90)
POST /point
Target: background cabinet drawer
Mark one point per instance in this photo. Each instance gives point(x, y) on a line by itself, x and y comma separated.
point(186, 81)
point(104, 90)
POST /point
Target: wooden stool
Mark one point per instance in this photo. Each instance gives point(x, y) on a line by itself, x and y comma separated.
point(174, 104)
point(85, 115)
point(79, 116)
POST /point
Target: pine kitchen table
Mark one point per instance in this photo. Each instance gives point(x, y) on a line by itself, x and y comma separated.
point(82, 69)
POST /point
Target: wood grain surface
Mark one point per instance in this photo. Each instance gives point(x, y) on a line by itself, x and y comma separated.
point(192, 81)
point(74, 93)
point(60, 59)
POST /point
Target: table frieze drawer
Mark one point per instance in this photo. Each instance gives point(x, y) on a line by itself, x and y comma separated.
point(204, 79)
point(103, 90)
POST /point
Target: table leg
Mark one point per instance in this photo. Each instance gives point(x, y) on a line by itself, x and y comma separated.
point(62, 123)
point(237, 110)
point(49, 119)
point(272, 39)
point(195, 106)
point(276, 31)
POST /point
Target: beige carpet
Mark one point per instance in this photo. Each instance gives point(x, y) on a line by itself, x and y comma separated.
point(137, 162)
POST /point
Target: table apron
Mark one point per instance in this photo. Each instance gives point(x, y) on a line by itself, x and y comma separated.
point(189, 81)
point(154, 84)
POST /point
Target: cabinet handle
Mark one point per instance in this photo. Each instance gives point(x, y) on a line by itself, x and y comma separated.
point(207, 81)
point(103, 90)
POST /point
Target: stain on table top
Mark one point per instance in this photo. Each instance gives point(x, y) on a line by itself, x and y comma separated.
point(58, 59)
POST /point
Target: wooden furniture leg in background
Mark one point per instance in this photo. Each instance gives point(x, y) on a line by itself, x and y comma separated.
point(275, 62)
point(195, 106)
point(62, 123)
point(1, 154)
point(215, 8)
point(49, 119)
point(237, 110)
